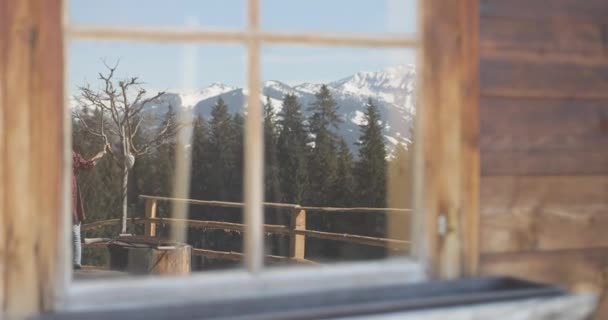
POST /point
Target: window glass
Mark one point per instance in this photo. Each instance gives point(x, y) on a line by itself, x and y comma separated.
point(158, 139)
point(225, 14)
point(338, 140)
point(183, 128)
point(361, 16)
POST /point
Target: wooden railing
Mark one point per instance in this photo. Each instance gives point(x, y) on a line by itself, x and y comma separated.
point(296, 230)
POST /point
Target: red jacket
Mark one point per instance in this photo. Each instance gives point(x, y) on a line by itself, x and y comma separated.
point(78, 162)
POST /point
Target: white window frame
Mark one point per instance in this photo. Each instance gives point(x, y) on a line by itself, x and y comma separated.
point(256, 280)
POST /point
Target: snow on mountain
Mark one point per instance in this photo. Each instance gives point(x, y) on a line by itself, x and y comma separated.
point(308, 88)
point(391, 89)
point(392, 85)
point(216, 89)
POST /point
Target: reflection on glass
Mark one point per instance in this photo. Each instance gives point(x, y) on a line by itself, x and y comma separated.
point(344, 16)
point(338, 141)
point(167, 195)
point(171, 132)
point(225, 14)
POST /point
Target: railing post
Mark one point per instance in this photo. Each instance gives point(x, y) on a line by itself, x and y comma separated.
point(150, 213)
point(297, 245)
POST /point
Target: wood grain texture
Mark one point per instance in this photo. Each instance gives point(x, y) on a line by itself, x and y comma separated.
point(32, 108)
point(470, 151)
point(579, 270)
point(569, 268)
point(512, 78)
point(3, 231)
point(544, 141)
point(173, 260)
point(544, 40)
point(545, 162)
point(297, 242)
point(446, 135)
point(47, 133)
point(20, 275)
point(534, 214)
point(569, 10)
point(150, 228)
point(550, 36)
point(509, 124)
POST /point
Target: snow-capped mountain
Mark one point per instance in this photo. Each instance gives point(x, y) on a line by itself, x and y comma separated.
point(392, 90)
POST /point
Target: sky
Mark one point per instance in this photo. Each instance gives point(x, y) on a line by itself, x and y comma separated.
point(189, 67)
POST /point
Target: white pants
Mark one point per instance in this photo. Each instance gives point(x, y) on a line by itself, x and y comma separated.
point(77, 246)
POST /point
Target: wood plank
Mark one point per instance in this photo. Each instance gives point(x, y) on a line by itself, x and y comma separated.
point(470, 170)
point(32, 109)
point(3, 230)
point(213, 203)
point(47, 138)
point(297, 242)
point(543, 213)
point(539, 40)
point(542, 124)
point(150, 228)
point(237, 256)
point(20, 275)
point(571, 10)
point(538, 136)
point(447, 148)
point(580, 270)
point(545, 162)
point(511, 78)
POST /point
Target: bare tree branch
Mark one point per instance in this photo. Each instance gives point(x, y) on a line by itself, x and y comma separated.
point(164, 136)
point(143, 103)
point(136, 129)
point(125, 121)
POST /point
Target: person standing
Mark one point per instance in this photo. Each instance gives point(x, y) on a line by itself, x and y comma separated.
point(79, 163)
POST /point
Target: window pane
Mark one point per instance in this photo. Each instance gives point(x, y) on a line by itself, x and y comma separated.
point(225, 14)
point(183, 144)
point(338, 139)
point(367, 16)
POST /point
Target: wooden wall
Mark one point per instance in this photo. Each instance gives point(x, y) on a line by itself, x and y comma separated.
point(31, 154)
point(544, 140)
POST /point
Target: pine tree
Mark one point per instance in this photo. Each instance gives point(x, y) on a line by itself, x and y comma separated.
point(153, 173)
point(238, 153)
point(165, 157)
point(224, 176)
point(201, 159)
point(344, 183)
point(370, 169)
point(323, 158)
point(221, 148)
point(271, 168)
point(292, 151)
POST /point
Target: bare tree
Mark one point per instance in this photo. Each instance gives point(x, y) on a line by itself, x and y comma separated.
point(121, 105)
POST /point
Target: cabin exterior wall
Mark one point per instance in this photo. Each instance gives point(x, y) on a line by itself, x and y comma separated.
point(544, 141)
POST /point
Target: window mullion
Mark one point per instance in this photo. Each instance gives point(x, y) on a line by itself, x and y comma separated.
point(254, 147)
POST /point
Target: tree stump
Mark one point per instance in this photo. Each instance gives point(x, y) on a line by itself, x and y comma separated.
point(146, 255)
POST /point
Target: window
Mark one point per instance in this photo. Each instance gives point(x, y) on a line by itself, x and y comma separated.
point(328, 145)
point(441, 204)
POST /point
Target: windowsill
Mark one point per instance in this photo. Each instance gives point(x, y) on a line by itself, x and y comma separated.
point(273, 296)
point(211, 287)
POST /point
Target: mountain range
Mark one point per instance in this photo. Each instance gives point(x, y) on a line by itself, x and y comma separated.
point(391, 89)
